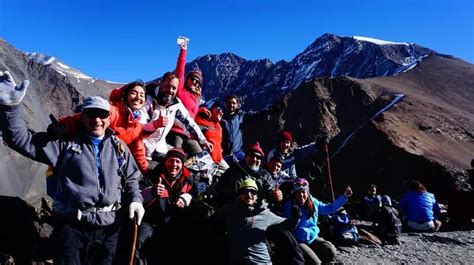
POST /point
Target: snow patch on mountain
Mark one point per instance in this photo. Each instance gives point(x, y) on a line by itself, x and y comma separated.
point(379, 42)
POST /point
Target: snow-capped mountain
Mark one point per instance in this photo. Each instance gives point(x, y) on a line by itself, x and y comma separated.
point(84, 83)
point(261, 82)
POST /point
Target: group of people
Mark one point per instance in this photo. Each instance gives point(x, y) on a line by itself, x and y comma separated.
point(126, 156)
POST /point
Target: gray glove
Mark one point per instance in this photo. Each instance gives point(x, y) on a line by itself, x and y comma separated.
point(10, 93)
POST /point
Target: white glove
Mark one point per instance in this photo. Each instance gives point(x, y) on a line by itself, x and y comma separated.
point(136, 208)
point(10, 93)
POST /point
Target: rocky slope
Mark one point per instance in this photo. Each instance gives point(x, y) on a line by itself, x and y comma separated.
point(415, 248)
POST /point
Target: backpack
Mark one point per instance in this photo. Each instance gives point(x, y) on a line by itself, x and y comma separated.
point(53, 184)
point(389, 226)
point(343, 231)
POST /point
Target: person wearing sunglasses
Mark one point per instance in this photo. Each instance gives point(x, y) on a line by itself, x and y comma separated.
point(315, 248)
point(189, 92)
point(247, 220)
point(86, 206)
point(127, 118)
point(227, 186)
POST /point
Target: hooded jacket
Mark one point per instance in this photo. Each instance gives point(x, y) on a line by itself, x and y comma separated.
point(419, 206)
point(213, 132)
point(83, 185)
point(122, 122)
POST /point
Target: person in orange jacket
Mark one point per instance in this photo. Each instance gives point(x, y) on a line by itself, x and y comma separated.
point(127, 117)
point(209, 122)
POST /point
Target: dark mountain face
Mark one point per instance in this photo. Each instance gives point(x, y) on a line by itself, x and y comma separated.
point(261, 82)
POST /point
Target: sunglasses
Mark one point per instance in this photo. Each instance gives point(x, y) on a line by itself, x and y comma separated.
point(255, 155)
point(92, 114)
point(246, 191)
point(195, 80)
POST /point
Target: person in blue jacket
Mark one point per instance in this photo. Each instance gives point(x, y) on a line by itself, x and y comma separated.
point(306, 233)
point(232, 122)
point(420, 208)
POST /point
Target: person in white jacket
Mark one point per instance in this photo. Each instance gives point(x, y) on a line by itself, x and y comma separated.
point(166, 109)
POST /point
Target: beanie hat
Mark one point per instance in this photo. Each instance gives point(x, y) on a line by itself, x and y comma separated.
point(176, 152)
point(286, 136)
point(248, 183)
point(300, 184)
point(196, 73)
point(255, 148)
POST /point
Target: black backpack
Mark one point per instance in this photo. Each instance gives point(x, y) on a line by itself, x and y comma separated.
point(389, 226)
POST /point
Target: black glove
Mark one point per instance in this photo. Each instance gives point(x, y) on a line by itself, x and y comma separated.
point(296, 211)
point(55, 129)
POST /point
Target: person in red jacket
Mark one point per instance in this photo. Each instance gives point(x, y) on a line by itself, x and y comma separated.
point(189, 92)
point(209, 122)
point(127, 117)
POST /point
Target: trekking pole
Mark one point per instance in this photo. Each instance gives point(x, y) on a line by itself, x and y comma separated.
point(328, 165)
point(134, 240)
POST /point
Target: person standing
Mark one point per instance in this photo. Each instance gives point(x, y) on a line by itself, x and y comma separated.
point(90, 189)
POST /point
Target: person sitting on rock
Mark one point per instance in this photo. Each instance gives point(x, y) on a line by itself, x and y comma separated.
point(316, 249)
point(280, 183)
point(189, 92)
point(167, 192)
point(165, 110)
point(209, 122)
point(227, 186)
point(420, 208)
point(373, 202)
point(290, 154)
point(247, 220)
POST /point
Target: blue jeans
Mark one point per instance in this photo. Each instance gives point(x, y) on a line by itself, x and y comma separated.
point(79, 244)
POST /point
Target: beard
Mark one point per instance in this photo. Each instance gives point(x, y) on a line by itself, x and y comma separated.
point(254, 168)
point(164, 99)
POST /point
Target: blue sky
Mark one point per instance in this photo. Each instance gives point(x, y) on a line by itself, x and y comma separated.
point(120, 40)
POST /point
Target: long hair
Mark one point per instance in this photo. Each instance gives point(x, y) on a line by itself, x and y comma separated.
point(415, 185)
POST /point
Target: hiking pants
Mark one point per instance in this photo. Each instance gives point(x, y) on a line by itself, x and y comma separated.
point(319, 251)
point(190, 146)
point(79, 244)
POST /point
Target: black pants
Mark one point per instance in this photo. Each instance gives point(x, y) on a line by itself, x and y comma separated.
point(285, 247)
point(80, 244)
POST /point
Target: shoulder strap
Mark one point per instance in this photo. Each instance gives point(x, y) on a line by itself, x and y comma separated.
point(120, 155)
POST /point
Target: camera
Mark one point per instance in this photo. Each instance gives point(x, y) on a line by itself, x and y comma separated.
point(182, 40)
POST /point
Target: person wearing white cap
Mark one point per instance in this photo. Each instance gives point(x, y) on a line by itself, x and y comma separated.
point(89, 189)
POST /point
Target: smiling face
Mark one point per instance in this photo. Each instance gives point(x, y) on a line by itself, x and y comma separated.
point(301, 196)
point(217, 113)
point(248, 196)
point(136, 98)
point(232, 105)
point(173, 165)
point(285, 146)
point(274, 166)
point(193, 83)
point(167, 92)
point(253, 161)
point(95, 121)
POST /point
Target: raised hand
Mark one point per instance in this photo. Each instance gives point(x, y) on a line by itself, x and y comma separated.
point(160, 188)
point(11, 94)
point(162, 121)
point(208, 145)
point(277, 195)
